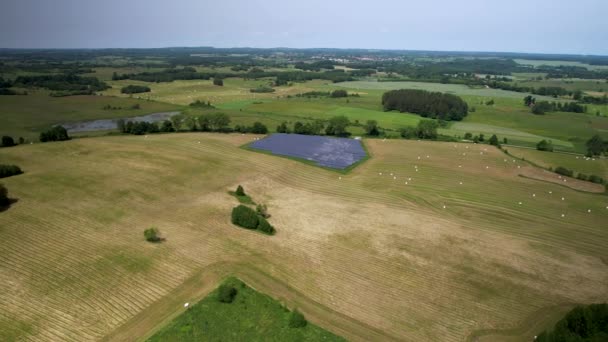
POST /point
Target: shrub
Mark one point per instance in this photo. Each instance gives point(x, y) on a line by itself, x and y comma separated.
point(494, 140)
point(582, 176)
point(545, 145)
point(218, 82)
point(135, 89)
point(265, 227)
point(245, 217)
point(596, 179)
point(226, 293)
point(7, 141)
point(339, 93)
point(151, 234)
point(563, 171)
point(282, 128)
point(262, 89)
point(262, 210)
point(468, 136)
point(297, 320)
point(259, 128)
point(4, 201)
point(240, 191)
point(9, 170)
point(57, 133)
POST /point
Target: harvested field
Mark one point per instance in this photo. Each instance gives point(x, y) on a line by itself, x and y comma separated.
point(367, 256)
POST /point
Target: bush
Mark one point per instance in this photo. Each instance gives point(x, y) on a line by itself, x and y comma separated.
point(57, 133)
point(4, 201)
point(545, 145)
point(259, 128)
point(563, 171)
point(339, 93)
point(151, 234)
point(596, 179)
point(582, 176)
point(583, 323)
point(218, 82)
point(245, 217)
point(135, 89)
point(226, 293)
point(265, 227)
point(494, 140)
point(7, 141)
point(262, 89)
point(297, 320)
point(240, 191)
point(9, 170)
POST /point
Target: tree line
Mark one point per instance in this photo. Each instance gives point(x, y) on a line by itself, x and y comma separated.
point(426, 104)
point(63, 83)
point(135, 89)
point(583, 323)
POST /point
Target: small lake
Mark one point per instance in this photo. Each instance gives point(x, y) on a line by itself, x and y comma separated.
point(109, 124)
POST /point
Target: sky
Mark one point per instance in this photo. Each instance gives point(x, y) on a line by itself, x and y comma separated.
point(537, 26)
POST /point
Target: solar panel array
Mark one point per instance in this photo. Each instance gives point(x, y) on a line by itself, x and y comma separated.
point(337, 153)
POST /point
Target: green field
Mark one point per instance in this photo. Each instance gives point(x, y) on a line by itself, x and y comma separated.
point(577, 163)
point(26, 116)
point(251, 317)
point(538, 62)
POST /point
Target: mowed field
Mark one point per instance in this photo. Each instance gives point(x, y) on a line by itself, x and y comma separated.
point(449, 255)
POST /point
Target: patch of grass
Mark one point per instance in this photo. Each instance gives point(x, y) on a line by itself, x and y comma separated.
point(251, 316)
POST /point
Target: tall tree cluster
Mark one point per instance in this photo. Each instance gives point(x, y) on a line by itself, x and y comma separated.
point(426, 104)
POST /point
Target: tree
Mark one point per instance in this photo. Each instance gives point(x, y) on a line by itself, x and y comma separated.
point(282, 128)
point(529, 100)
point(545, 145)
point(134, 89)
point(120, 124)
point(596, 145)
point(339, 93)
point(468, 136)
point(218, 81)
point(240, 191)
point(296, 319)
point(371, 128)
point(226, 293)
point(245, 217)
point(9, 170)
point(265, 227)
point(151, 234)
point(426, 104)
point(490, 102)
point(4, 200)
point(167, 126)
point(337, 126)
point(57, 133)
point(505, 140)
point(577, 95)
point(259, 128)
point(494, 140)
point(219, 121)
point(427, 129)
point(7, 141)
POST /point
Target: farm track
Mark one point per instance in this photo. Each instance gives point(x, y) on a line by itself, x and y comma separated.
point(378, 260)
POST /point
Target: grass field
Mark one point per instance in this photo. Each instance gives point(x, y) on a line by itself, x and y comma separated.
point(538, 62)
point(26, 116)
point(573, 162)
point(366, 257)
point(252, 316)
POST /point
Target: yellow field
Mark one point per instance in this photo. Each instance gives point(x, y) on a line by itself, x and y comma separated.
point(365, 256)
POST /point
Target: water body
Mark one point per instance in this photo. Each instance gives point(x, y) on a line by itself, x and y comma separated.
point(109, 124)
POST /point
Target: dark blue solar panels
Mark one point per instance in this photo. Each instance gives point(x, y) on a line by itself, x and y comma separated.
point(337, 153)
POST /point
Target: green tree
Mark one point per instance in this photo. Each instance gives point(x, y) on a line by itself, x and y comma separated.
point(371, 128)
point(545, 145)
point(337, 126)
point(240, 191)
point(296, 319)
point(9, 170)
point(226, 293)
point(282, 128)
point(245, 217)
point(468, 136)
point(167, 126)
point(151, 234)
point(4, 200)
point(596, 145)
point(265, 227)
point(219, 121)
point(259, 128)
point(7, 141)
point(494, 140)
point(427, 129)
point(57, 133)
point(262, 210)
point(218, 81)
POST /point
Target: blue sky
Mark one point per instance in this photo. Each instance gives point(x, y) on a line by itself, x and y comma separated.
point(549, 26)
